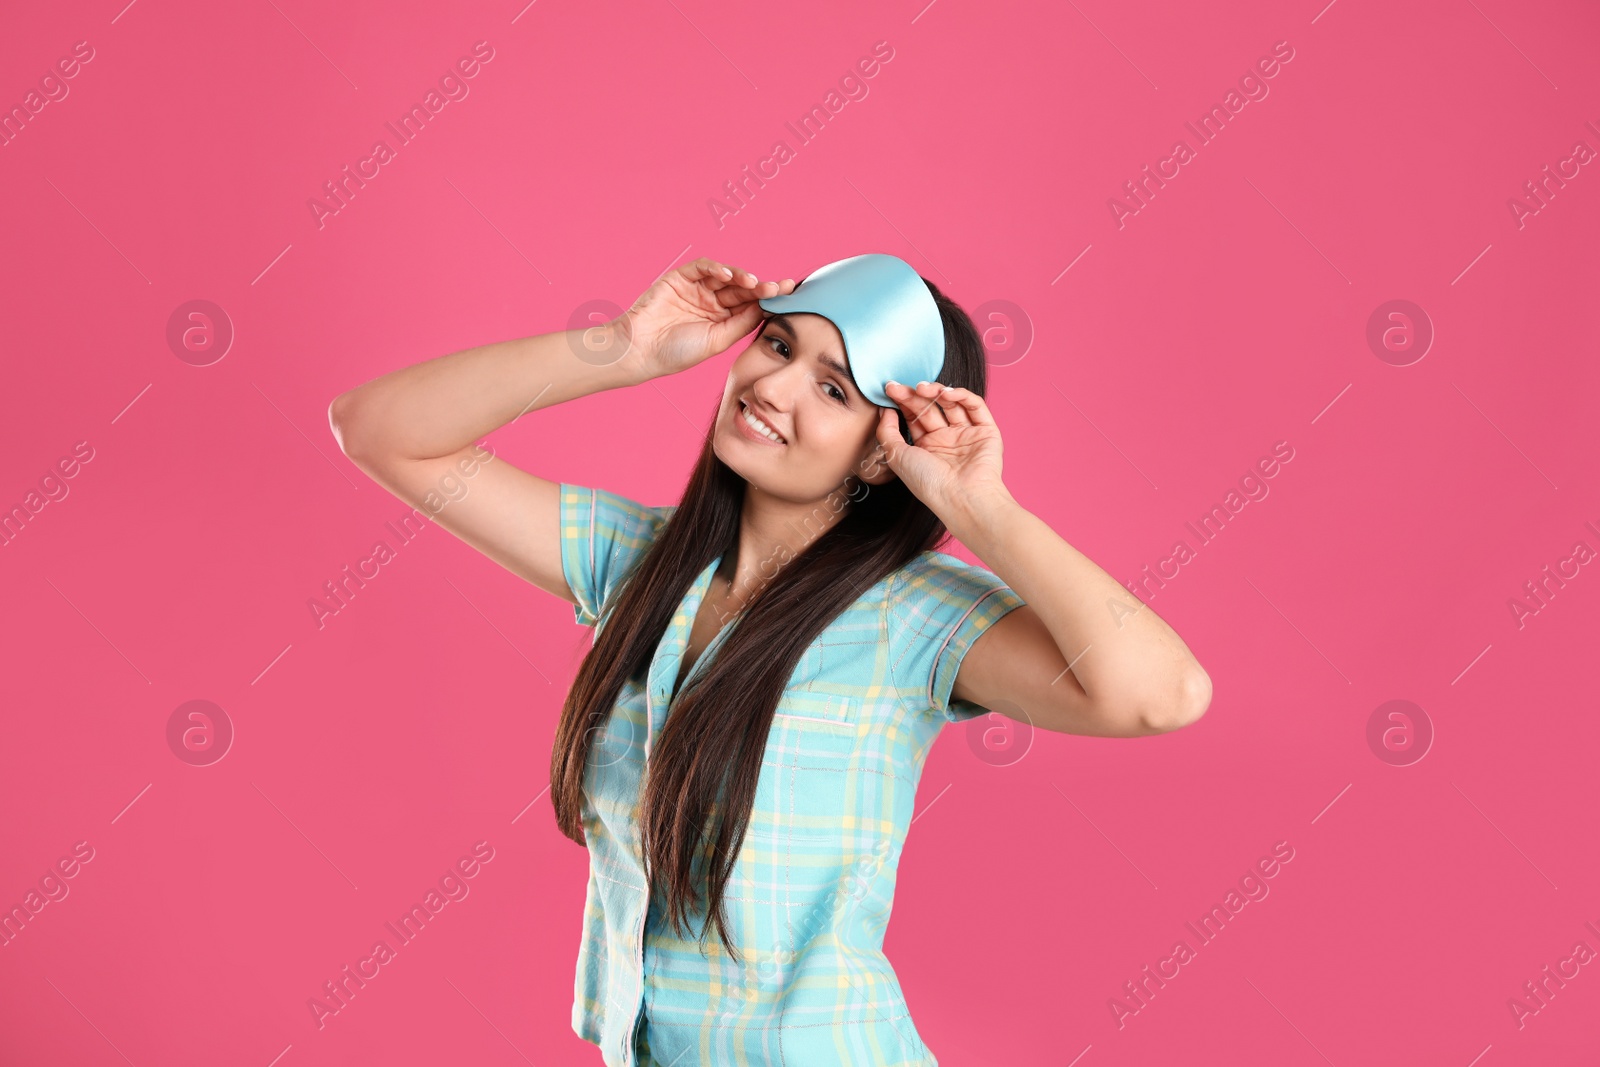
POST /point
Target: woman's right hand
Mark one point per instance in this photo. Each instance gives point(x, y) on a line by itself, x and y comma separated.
point(692, 313)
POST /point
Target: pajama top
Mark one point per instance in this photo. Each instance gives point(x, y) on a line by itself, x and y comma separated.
point(809, 897)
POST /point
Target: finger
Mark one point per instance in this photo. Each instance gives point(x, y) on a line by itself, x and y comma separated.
point(734, 293)
point(920, 411)
point(713, 279)
point(972, 406)
point(908, 404)
point(740, 321)
point(713, 272)
point(914, 399)
point(954, 412)
point(889, 438)
point(731, 285)
point(740, 276)
point(925, 401)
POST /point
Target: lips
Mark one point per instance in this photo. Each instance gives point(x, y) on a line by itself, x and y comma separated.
point(751, 431)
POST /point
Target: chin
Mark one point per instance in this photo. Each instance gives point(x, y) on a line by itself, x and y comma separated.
point(725, 445)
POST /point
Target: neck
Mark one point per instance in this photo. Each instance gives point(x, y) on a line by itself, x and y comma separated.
point(772, 532)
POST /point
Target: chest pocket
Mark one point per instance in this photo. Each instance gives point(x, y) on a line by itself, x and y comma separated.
point(808, 794)
point(814, 729)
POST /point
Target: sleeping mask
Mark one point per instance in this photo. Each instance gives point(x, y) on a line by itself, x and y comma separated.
point(891, 326)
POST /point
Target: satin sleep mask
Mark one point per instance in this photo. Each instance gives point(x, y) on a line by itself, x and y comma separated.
point(888, 319)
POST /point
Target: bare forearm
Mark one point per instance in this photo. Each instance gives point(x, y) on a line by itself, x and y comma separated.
point(1122, 653)
point(441, 405)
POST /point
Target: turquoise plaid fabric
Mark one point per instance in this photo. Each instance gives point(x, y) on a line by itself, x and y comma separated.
point(809, 898)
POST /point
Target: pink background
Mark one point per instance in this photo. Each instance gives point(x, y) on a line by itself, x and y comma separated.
point(1229, 314)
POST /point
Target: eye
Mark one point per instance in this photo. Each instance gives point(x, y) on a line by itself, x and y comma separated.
point(836, 393)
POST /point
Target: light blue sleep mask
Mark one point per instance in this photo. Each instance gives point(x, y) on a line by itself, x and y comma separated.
point(891, 326)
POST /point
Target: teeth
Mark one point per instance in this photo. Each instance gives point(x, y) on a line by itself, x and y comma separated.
point(760, 427)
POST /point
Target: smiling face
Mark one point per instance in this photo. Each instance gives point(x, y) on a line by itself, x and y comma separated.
point(794, 378)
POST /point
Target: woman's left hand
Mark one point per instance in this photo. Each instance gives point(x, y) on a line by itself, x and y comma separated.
point(953, 461)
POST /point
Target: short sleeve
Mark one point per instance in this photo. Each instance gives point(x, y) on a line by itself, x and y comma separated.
point(603, 536)
point(938, 607)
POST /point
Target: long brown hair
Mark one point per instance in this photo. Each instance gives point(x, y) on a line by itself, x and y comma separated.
point(708, 755)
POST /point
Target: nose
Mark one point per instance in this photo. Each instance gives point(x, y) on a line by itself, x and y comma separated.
point(776, 388)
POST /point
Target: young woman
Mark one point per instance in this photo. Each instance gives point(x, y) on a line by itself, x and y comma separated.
point(775, 654)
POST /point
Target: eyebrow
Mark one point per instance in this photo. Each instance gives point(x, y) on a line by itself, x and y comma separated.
point(827, 359)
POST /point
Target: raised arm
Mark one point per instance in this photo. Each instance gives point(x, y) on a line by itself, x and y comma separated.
point(414, 430)
point(1083, 655)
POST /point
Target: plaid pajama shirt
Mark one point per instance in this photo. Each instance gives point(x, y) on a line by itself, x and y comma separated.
point(809, 897)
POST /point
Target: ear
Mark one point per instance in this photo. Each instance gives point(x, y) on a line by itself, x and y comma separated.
point(872, 467)
point(874, 470)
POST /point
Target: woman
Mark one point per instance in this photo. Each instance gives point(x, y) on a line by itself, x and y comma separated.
point(779, 649)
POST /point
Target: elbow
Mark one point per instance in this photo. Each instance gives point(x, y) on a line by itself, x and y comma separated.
point(1192, 698)
point(342, 422)
point(1197, 694)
